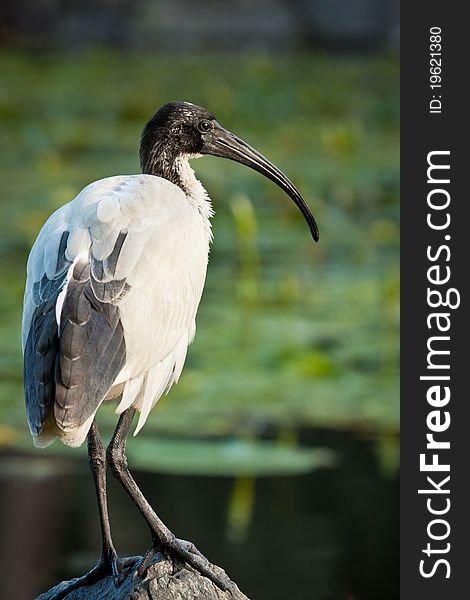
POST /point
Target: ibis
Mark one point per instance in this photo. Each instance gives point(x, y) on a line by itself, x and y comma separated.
point(114, 281)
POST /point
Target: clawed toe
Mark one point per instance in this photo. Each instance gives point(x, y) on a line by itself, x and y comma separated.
point(185, 552)
point(188, 552)
point(145, 562)
point(116, 573)
point(190, 547)
point(110, 565)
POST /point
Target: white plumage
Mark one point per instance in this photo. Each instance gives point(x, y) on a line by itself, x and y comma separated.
point(162, 261)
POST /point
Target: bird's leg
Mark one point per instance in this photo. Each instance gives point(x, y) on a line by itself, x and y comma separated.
point(97, 462)
point(163, 538)
point(109, 563)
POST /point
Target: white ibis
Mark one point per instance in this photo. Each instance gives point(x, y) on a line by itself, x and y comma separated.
point(114, 281)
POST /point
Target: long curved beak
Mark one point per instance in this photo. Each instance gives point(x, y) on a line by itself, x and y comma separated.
point(223, 143)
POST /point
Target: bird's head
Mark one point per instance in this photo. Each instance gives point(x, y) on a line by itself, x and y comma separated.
point(184, 130)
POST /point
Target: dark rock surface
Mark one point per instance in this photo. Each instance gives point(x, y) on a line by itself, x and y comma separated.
point(164, 580)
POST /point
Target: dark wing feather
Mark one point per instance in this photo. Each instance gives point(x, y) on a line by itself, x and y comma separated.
point(92, 351)
point(71, 368)
point(40, 353)
point(42, 343)
point(105, 287)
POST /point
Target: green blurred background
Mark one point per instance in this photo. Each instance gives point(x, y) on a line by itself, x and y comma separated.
point(289, 398)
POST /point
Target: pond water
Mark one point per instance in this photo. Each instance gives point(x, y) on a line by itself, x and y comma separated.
point(331, 534)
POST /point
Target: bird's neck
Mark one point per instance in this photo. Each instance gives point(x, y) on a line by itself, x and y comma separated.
point(179, 172)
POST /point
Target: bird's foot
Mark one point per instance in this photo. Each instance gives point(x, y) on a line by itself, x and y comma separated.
point(109, 564)
point(186, 552)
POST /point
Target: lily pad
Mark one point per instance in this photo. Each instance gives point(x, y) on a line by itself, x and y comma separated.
point(225, 457)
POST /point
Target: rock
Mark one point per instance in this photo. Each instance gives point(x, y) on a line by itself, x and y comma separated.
point(165, 579)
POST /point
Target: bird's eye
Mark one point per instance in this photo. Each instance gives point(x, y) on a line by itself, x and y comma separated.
point(204, 126)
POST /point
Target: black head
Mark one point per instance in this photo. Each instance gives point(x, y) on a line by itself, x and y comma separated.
point(184, 130)
point(176, 129)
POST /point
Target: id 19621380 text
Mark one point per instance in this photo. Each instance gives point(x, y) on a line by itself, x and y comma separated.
point(435, 70)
